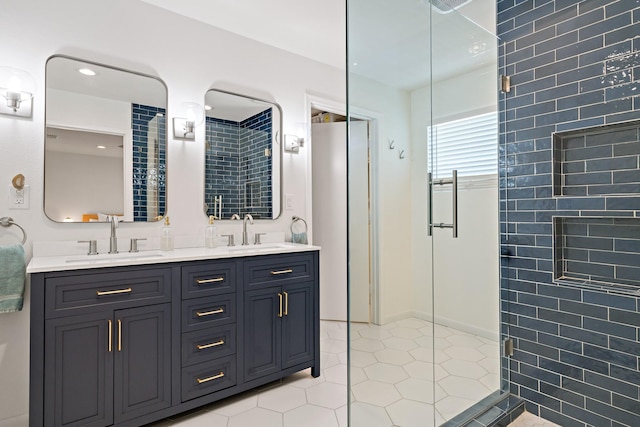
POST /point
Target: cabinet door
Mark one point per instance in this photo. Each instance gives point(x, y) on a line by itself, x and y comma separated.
point(142, 351)
point(297, 324)
point(79, 371)
point(262, 333)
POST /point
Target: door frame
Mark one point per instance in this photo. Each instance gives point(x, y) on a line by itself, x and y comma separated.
point(374, 119)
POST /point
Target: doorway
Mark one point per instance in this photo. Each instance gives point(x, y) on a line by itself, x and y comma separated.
point(341, 212)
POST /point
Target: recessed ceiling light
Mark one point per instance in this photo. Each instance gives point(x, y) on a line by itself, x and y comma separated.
point(87, 71)
point(208, 107)
point(101, 147)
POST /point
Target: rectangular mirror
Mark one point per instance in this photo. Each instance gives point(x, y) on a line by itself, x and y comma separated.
point(242, 156)
point(105, 144)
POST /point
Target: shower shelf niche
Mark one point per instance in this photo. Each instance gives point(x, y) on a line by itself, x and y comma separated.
point(601, 253)
point(597, 161)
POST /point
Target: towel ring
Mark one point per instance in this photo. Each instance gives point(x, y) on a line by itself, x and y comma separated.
point(295, 219)
point(5, 221)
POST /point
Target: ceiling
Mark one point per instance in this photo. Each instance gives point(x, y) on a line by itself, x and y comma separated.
point(389, 39)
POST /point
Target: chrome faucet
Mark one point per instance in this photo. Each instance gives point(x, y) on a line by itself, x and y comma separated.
point(245, 237)
point(113, 240)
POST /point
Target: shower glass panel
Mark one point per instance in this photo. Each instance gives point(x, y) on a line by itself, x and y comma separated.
point(463, 171)
point(426, 79)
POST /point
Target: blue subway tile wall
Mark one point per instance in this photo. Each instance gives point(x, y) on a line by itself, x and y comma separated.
point(222, 163)
point(149, 175)
point(574, 67)
point(238, 165)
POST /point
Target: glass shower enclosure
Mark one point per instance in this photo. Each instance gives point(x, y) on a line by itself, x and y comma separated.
point(424, 76)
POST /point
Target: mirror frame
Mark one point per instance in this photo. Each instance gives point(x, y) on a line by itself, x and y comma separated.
point(166, 134)
point(276, 140)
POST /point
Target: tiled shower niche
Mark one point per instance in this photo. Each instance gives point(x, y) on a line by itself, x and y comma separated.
point(603, 160)
point(602, 252)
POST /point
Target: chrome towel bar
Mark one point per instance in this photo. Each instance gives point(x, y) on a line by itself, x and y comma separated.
point(5, 221)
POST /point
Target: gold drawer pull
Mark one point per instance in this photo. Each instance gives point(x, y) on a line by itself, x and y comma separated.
point(209, 313)
point(286, 303)
point(203, 281)
point(215, 377)
point(213, 344)
point(280, 299)
point(110, 336)
point(119, 335)
point(288, 270)
point(119, 291)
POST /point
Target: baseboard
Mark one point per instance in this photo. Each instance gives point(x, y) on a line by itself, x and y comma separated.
point(464, 327)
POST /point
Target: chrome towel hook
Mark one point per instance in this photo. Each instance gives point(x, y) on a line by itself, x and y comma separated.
point(5, 221)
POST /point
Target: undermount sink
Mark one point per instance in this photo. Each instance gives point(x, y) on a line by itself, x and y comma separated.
point(264, 247)
point(106, 258)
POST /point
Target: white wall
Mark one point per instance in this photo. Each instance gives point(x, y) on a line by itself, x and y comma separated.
point(79, 184)
point(191, 58)
point(465, 270)
point(81, 112)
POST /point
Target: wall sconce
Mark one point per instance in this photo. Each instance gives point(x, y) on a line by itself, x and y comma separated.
point(292, 143)
point(17, 88)
point(184, 128)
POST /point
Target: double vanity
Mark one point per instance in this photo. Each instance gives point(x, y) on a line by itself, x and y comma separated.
point(132, 338)
point(126, 339)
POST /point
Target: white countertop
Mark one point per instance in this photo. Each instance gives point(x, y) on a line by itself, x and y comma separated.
point(41, 264)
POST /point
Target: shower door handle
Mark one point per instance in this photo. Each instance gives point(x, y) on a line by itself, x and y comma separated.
point(454, 184)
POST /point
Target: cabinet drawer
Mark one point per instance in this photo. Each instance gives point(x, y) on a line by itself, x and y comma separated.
point(208, 377)
point(208, 344)
point(279, 269)
point(98, 288)
point(211, 278)
point(207, 312)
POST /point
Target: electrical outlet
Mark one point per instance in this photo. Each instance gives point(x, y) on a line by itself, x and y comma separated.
point(19, 199)
point(288, 202)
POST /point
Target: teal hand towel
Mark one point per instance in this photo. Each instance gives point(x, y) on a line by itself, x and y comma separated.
point(12, 276)
point(299, 237)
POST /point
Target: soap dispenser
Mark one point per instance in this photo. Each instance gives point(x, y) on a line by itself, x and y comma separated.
point(210, 233)
point(166, 238)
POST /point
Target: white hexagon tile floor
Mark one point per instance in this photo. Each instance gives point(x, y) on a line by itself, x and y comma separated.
point(529, 420)
point(393, 371)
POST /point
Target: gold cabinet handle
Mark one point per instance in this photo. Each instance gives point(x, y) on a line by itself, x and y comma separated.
point(276, 272)
point(119, 335)
point(280, 298)
point(286, 303)
point(215, 377)
point(116, 292)
point(110, 336)
point(215, 279)
point(209, 313)
point(213, 344)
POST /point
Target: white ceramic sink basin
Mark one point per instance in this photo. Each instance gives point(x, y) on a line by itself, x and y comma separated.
point(121, 257)
point(264, 247)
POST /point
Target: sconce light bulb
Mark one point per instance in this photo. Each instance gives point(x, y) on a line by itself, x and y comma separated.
point(15, 84)
point(193, 112)
point(13, 100)
point(189, 126)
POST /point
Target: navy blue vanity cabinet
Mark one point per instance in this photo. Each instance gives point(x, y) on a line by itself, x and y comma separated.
point(281, 320)
point(209, 306)
point(127, 346)
point(104, 348)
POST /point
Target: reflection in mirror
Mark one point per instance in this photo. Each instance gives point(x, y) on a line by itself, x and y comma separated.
point(105, 145)
point(242, 165)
